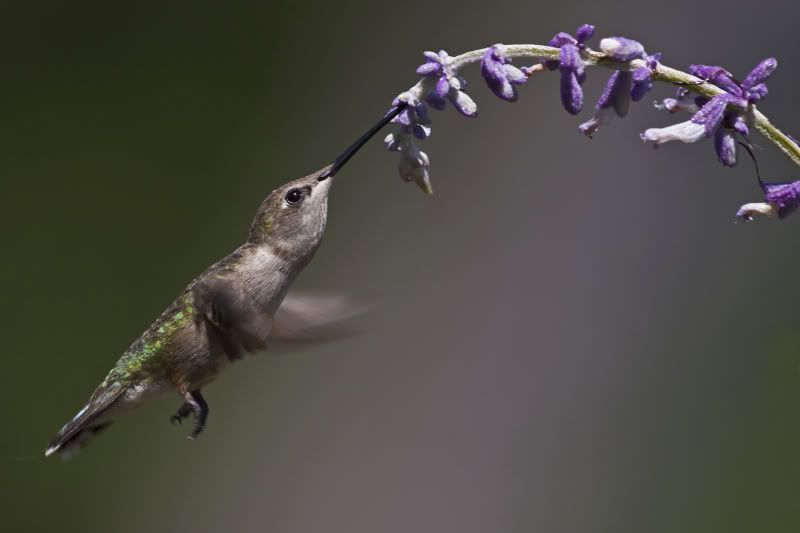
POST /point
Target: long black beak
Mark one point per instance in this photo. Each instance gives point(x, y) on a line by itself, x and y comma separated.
point(356, 146)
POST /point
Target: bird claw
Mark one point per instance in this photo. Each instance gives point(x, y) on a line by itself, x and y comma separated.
point(196, 406)
point(184, 412)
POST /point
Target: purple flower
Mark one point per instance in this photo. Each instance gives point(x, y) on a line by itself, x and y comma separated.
point(621, 48)
point(414, 119)
point(683, 101)
point(718, 76)
point(622, 86)
point(412, 122)
point(750, 91)
point(571, 66)
point(726, 147)
point(500, 74)
point(722, 115)
point(414, 164)
point(447, 86)
point(702, 124)
point(572, 76)
point(785, 197)
point(643, 77)
point(615, 98)
point(760, 73)
point(780, 200)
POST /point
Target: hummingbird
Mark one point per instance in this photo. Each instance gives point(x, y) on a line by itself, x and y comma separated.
point(227, 312)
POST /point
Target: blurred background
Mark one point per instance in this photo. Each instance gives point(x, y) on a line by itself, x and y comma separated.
point(570, 336)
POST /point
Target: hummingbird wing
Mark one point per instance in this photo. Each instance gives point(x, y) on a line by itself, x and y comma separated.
point(238, 324)
point(314, 317)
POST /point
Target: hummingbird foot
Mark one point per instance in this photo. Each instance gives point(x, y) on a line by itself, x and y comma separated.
point(199, 409)
point(184, 412)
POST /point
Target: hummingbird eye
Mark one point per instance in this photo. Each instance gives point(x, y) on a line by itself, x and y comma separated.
point(294, 196)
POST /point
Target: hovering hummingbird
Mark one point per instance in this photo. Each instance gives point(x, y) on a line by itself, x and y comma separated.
point(230, 310)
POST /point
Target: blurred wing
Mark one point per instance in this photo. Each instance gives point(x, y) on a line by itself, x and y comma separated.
point(310, 317)
point(240, 326)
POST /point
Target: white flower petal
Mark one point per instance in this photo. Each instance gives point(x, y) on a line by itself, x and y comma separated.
point(687, 132)
point(748, 211)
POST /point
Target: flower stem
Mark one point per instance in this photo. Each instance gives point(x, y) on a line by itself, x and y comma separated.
point(662, 73)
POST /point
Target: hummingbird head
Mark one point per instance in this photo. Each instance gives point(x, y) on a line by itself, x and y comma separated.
point(291, 220)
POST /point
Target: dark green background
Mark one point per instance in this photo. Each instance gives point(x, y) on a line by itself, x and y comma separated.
point(570, 336)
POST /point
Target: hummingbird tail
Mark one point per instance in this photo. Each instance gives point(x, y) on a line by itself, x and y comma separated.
point(86, 424)
point(68, 449)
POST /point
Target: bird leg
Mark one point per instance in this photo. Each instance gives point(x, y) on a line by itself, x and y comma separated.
point(184, 411)
point(199, 409)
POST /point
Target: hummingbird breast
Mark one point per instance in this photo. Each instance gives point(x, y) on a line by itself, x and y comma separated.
point(266, 277)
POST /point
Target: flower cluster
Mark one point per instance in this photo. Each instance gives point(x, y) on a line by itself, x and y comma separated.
point(447, 86)
point(412, 123)
point(722, 116)
point(500, 74)
point(440, 85)
point(727, 116)
point(622, 86)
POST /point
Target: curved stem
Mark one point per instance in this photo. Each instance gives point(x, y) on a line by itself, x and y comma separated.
point(662, 73)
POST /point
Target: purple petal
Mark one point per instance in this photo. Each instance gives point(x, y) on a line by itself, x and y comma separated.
point(494, 74)
point(404, 117)
point(760, 73)
point(571, 92)
point(785, 197)
point(616, 93)
point(726, 147)
point(711, 114)
point(621, 48)
point(740, 125)
point(420, 131)
point(515, 75)
point(442, 87)
point(640, 89)
point(421, 112)
point(571, 60)
point(562, 38)
point(709, 72)
point(642, 83)
point(429, 69)
point(652, 60)
point(437, 102)
point(757, 92)
point(431, 56)
point(463, 103)
point(718, 76)
point(584, 33)
point(641, 74)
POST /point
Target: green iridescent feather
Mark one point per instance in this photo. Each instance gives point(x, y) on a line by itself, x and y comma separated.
point(144, 354)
